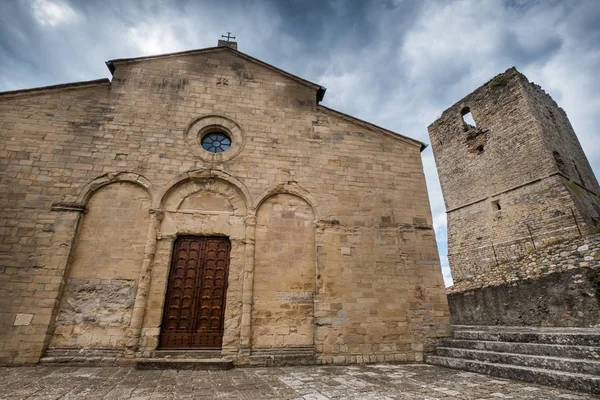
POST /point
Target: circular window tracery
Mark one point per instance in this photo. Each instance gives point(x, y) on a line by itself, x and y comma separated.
point(214, 138)
point(216, 142)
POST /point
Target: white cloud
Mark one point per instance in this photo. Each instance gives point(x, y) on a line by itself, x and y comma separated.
point(153, 38)
point(52, 13)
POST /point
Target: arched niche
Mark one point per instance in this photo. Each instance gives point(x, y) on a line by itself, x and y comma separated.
point(200, 203)
point(102, 277)
point(183, 185)
point(284, 273)
point(91, 187)
point(290, 188)
point(205, 195)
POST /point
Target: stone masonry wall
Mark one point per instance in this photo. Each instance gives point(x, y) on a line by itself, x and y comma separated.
point(96, 305)
point(379, 292)
point(579, 252)
point(506, 130)
point(377, 302)
point(480, 236)
point(44, 153)
point(557, 285)
point(507, 190)
point(560, 138)
point(284, 277)
point(570, 159)
point(563, 299)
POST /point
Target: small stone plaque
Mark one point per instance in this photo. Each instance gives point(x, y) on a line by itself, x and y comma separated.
point(23, 319)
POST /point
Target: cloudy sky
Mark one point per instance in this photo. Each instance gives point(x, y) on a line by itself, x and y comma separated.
point(396, 63)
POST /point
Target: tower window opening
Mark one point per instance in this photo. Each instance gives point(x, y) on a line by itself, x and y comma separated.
point(496, 205)
point(468, 117)
point(560, 164)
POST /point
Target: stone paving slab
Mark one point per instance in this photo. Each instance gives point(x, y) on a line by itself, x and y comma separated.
point(357, 382)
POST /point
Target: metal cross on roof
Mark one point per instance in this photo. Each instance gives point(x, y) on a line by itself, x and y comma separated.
point(228, 36)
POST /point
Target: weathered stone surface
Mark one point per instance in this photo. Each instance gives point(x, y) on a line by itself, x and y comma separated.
point(23, 319)
point(99, 295)
point(559, 257)
point(563, 357)
point(94, 313)
point(516, 182)
point(379, 381)
point(568, 298)
point(328, 216)
point(560, 289)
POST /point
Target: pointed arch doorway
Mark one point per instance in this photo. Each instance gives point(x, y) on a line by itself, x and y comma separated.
point(193, 315)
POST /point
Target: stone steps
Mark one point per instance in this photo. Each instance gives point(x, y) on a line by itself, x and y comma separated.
point(184, 360)
point(184, 364)
point(277, 357)
point(541, 349)
point(526, 360)
point(568, 380)
point(563, 357)
point(544, 337)
point(83, 357)
point(186, 354)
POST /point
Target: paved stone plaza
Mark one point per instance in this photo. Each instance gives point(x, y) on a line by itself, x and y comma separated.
point(377, 382)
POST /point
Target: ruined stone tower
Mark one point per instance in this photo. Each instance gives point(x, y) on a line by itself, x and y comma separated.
point(514, 177)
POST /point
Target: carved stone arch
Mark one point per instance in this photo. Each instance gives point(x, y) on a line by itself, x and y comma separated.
point(289, 188)
point(192, 181)
point(111, 177)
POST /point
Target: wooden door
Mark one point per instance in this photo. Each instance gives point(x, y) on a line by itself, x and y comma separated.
point(195, 300)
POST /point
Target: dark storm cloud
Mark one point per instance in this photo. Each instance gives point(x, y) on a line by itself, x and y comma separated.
point(18, 32)
point(396, 63)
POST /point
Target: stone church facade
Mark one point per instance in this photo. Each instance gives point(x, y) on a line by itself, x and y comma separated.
point(204, 200)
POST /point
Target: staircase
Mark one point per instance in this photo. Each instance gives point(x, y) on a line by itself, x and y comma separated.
point(56, 356)
point(564, 357)
point(278, 357)
point(188, 360)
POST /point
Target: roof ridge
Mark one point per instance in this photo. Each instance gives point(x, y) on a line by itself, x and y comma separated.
point(370, 125)
point(320, 89)
point(55, 87)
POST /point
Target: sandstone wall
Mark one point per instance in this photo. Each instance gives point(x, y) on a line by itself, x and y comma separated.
point(479, 236)
point(378, 297)
point(45, 150)
point(97, 301)
point(284, 277)
point(508, 134)
point(372, 220)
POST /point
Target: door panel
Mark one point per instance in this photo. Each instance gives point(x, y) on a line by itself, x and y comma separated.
point(195, 300)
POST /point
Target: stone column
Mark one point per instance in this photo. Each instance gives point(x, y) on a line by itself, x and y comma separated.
point(318, 309)
point(141, 297)
point(248, 287)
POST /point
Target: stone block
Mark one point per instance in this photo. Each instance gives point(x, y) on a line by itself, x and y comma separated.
point(23, 319)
